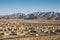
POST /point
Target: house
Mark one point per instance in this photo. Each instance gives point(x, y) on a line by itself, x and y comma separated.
point(13, 33)
point(1, 33)
point(58, 31)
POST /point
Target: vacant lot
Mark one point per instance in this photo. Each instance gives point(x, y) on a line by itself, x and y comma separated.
point(55, 37)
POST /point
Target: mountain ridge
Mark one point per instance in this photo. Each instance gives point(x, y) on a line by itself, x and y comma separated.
point(34, 15)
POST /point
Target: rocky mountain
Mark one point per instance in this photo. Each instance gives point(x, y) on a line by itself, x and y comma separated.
point(35, 15)
point(13, 16)
point(44, 16)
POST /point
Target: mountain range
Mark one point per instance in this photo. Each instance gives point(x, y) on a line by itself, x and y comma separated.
point(34, 15)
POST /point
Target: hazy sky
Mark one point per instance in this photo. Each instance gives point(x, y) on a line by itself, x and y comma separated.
point(28, 6)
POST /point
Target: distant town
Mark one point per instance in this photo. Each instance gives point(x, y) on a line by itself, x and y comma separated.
point(21, 28)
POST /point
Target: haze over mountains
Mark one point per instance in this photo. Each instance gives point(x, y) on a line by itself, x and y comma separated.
point(35, 15)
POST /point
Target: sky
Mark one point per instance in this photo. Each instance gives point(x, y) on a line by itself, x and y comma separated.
point(28, 6)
